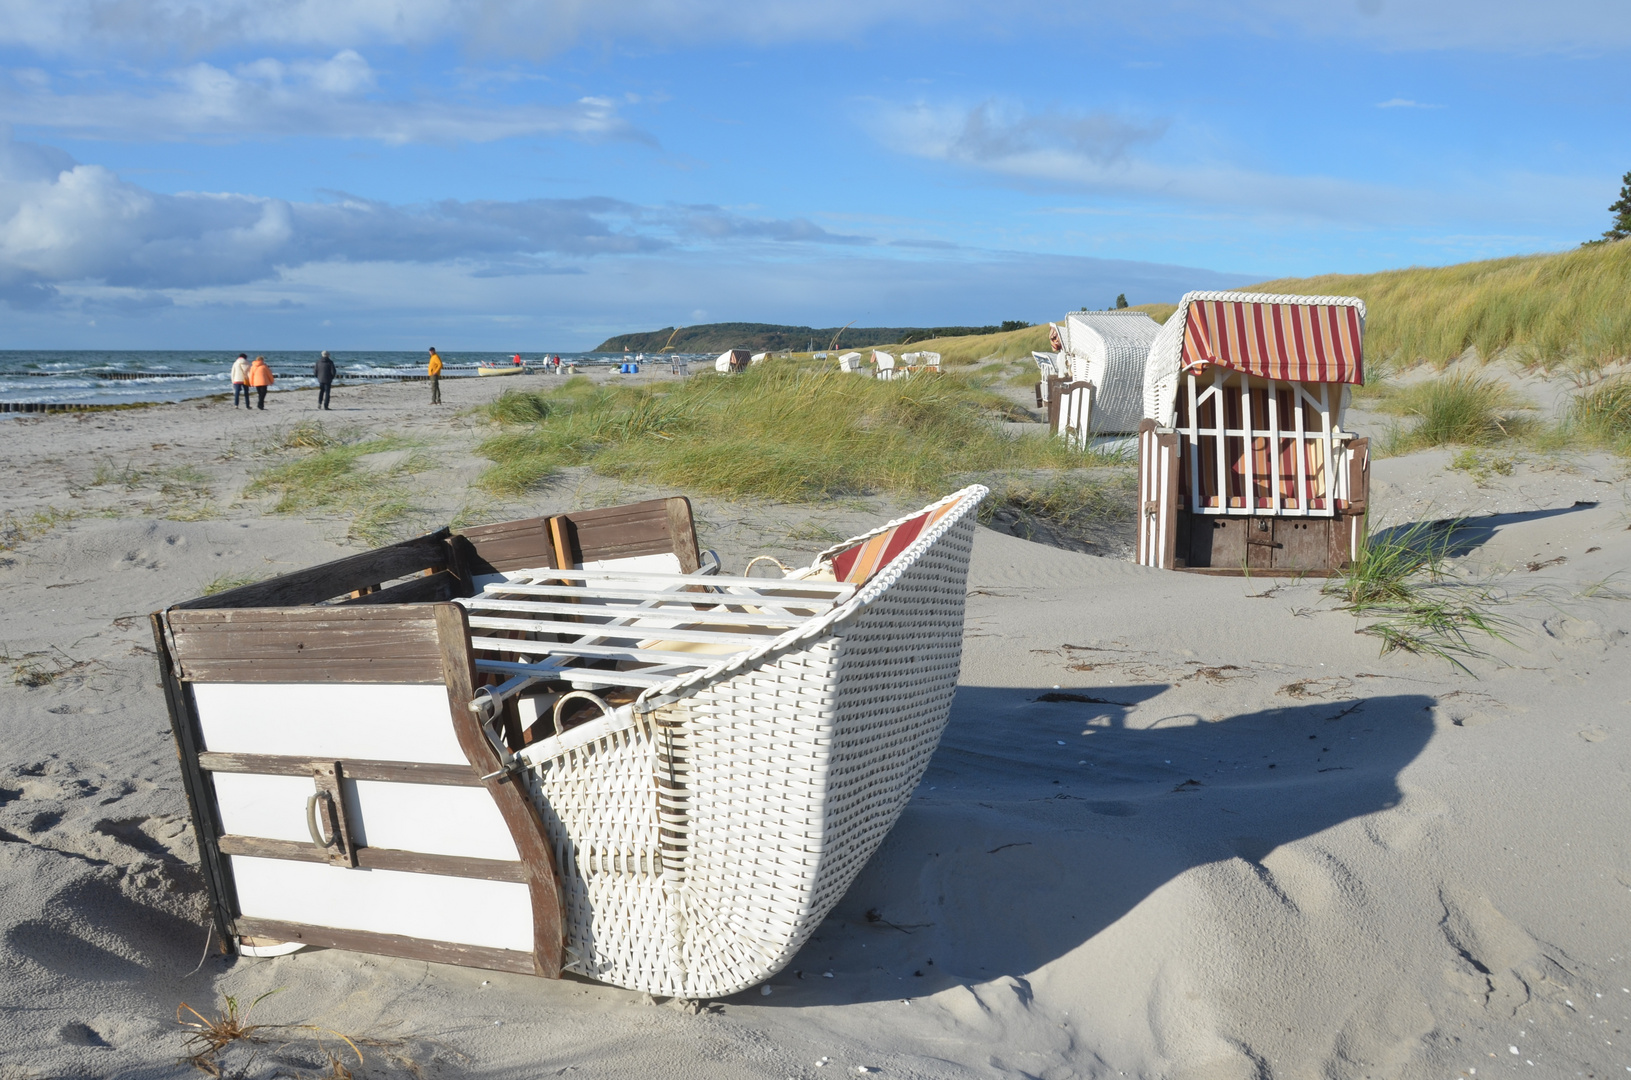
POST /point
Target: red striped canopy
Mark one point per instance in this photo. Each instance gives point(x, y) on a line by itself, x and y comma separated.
point(1285, 342)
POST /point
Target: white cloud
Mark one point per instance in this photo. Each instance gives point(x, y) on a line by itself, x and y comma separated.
point(1404, 103)
point(510, 27)
point(332, 97)
point(63, 222)
point(1105, 154)
point(539, 27)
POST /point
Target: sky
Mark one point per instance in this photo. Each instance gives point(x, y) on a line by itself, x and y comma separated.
point(503, 174)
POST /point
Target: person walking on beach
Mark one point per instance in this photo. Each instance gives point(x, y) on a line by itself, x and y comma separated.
point(261, 378)
point(435, 370)
point(240, 380)
point(324, 370)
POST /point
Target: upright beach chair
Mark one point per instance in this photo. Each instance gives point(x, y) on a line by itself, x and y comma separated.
point(884, 363)
point(850, 363)
point(1107, 350)
point(1244, 466)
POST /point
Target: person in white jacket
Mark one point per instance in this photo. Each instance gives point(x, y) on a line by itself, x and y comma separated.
point(240, 380)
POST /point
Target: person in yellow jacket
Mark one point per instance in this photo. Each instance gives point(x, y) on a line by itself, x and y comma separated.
point(435, 370)
point(261, 378)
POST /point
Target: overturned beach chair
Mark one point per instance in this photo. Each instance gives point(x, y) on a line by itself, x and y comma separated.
point(1244, 466)
point(531, 751)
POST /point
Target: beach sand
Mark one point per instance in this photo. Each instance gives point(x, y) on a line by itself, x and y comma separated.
point(1178, 826)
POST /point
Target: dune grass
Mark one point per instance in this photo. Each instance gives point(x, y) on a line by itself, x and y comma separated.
point(1601, 415)
point(1404, 583)
point(327, 475)
point(1567, 309)
point(1463, 409)
point(789, 431)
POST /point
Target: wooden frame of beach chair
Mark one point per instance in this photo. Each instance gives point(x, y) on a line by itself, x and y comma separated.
point(1243, 463)
point(1070, 411)
point(274, 652)
point(352, 784)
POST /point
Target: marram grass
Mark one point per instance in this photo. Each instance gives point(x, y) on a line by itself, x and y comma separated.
point(1567, 309)
point(786, 431)
point(1463, 409)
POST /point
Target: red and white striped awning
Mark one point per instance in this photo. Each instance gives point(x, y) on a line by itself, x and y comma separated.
point(1289, 342)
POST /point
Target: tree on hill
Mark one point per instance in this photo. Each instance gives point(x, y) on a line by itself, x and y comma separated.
point(1621, 210)
point(1121, 301)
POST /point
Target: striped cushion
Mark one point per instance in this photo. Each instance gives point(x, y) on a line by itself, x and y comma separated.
point(857, 564)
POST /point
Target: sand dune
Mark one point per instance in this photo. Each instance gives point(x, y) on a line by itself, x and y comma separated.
point(1178, 826)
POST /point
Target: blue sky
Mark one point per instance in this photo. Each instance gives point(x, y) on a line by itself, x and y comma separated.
point(511, 175)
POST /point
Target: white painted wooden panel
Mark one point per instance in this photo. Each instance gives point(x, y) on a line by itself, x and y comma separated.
point(273, 807)
point(495, 914)
point(388, 721)
point(439, 820)
point(431, 818)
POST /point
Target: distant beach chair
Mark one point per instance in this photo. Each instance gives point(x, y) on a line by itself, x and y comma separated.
point(1109, 350)
point(850, 363)
point(1243, 463)
point(884, 363)
point(921, 361)
point(713, 759)
point(732, 361)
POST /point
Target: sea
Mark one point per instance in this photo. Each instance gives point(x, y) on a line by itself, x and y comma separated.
point(102, 377)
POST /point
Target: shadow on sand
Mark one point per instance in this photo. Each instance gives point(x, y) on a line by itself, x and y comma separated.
point(1463, 536)
point(1041, 822)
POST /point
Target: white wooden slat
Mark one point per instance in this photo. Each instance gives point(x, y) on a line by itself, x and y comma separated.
point(678, 581)
point(733, 618)
point(641, 677)
point(467, 911)
point(595, 652)
point(630, 630)
point(815, 604)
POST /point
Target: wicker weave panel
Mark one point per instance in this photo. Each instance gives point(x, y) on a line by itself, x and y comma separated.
point(701, 848)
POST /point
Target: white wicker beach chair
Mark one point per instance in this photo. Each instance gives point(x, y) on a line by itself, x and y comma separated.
point(1109, 350)
point(704, 830)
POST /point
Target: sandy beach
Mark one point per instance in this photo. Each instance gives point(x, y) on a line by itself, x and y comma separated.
point(1179, 826)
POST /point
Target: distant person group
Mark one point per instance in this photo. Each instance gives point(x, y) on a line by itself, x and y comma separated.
point(257, 375)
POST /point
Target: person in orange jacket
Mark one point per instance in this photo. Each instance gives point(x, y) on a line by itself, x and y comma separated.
point(261, 378)
point(435, 370)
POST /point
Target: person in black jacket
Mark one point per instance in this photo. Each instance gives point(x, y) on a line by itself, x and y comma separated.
point(324, 371)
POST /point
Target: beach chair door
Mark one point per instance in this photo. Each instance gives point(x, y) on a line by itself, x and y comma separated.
point(344, 794)
point(1071, 411)
point(1157, 496)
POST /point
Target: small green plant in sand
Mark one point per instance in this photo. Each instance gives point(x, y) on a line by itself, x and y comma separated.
point(18, 529)
point(1482, 466)
point(328, 474)
point(230, 581)
point(791, 432)
point(1454, 410)
point(1404, 583)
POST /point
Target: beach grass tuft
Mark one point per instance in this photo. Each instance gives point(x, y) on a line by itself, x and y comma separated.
point(328, 474)
point(18, 529)
point(1463, 409)
point(792, 432)
point(1404, 584)
point(1601, 415)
